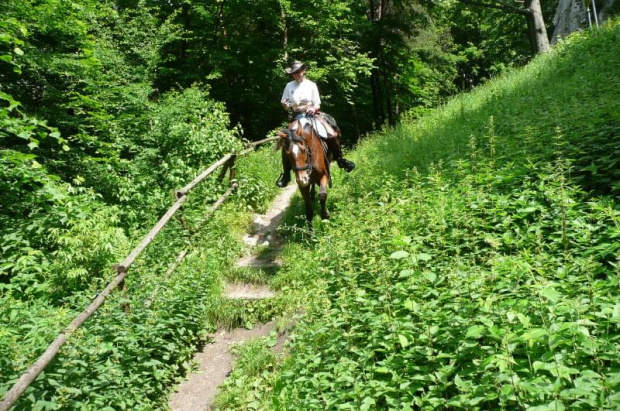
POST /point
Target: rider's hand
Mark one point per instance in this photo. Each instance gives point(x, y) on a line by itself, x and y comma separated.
point(311, 110)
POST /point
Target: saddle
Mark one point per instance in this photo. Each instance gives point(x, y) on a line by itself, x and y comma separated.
point(322, 123)
point(329, 119)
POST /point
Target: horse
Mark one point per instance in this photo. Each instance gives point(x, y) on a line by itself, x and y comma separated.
point(310, 162)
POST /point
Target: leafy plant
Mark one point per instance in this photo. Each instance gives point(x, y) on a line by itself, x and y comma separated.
point(469, 264)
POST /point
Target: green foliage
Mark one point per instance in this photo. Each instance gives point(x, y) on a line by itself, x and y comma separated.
point(464, 296)
point(471, 261)
point(79, 194)
point(128, 360)
point(87, 247)
point(106, 107)
point(255, 362)
point(239, 47)
point(485, 43)
point(190, 132)
point(10, 46)
point(22, 175)
point(40, 213)
point(256, 175)
point(62, 251)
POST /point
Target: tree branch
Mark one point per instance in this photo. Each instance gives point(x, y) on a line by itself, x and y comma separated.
point(500, 5)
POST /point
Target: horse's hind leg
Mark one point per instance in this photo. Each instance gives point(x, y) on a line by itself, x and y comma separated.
point(323, 197)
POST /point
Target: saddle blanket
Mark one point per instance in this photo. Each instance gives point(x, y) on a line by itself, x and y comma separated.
point(317, 125)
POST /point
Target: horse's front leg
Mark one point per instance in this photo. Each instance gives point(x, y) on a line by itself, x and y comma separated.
point(323, 197)
point(305, 193)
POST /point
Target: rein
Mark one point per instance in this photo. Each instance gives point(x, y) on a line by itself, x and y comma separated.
point(308, 165)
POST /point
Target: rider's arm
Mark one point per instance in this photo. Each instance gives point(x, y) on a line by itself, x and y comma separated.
point(316, 99)
point(286, 98)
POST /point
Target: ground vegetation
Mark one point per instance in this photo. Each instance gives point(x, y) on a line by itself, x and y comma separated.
point(472, 262)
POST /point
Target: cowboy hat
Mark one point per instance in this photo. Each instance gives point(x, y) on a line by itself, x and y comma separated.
point(295, 67)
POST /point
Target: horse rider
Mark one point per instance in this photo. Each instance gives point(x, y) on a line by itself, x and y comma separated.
point(302, 97)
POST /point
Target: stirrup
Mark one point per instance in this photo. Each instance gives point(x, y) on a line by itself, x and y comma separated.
point(345, 164)
point(284, 179)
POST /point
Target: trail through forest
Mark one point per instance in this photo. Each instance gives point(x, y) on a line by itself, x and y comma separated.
point(198, 392)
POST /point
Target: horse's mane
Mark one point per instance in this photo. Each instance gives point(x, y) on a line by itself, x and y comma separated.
point(291, 137)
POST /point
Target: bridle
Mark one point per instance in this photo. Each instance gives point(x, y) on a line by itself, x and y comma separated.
point(308, 166)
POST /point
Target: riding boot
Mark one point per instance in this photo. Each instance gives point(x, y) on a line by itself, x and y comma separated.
point(333, 144)
point(346, 165)
point(285, 177)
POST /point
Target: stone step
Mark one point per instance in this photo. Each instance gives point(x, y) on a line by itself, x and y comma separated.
point(257, 262)
point(258, 240)
point(243, 291)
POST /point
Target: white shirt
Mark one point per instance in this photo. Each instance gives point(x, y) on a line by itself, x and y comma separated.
point(304, 92)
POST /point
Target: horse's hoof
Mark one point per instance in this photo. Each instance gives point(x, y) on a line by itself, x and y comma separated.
point(325, 215)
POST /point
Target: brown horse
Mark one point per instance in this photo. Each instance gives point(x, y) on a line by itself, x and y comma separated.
point(304, 150)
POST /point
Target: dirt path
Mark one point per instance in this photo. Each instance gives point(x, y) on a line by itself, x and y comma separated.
point(198, 392)
point(214, 362)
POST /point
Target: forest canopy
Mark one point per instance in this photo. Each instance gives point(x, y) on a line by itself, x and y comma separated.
point(107, 106)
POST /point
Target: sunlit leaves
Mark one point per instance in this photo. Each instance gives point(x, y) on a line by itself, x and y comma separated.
point(399, 255)
point(479, 284)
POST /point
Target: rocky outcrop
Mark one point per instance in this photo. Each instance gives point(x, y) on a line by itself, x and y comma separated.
point(575, 15)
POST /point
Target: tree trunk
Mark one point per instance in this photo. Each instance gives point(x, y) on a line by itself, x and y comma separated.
point(388, 101)
point(284, 33)
point(358, 135)
point(376, 10)
point(377, 98)
point(375, 15)
point(536, 30)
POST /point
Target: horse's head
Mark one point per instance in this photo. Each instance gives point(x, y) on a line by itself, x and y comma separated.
point(295, 148)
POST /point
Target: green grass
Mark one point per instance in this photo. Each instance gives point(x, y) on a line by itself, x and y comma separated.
point(472, 258)
point(255, 361)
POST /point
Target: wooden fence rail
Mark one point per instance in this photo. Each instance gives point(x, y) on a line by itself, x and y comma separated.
point(183, 253)
point(52, 350)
